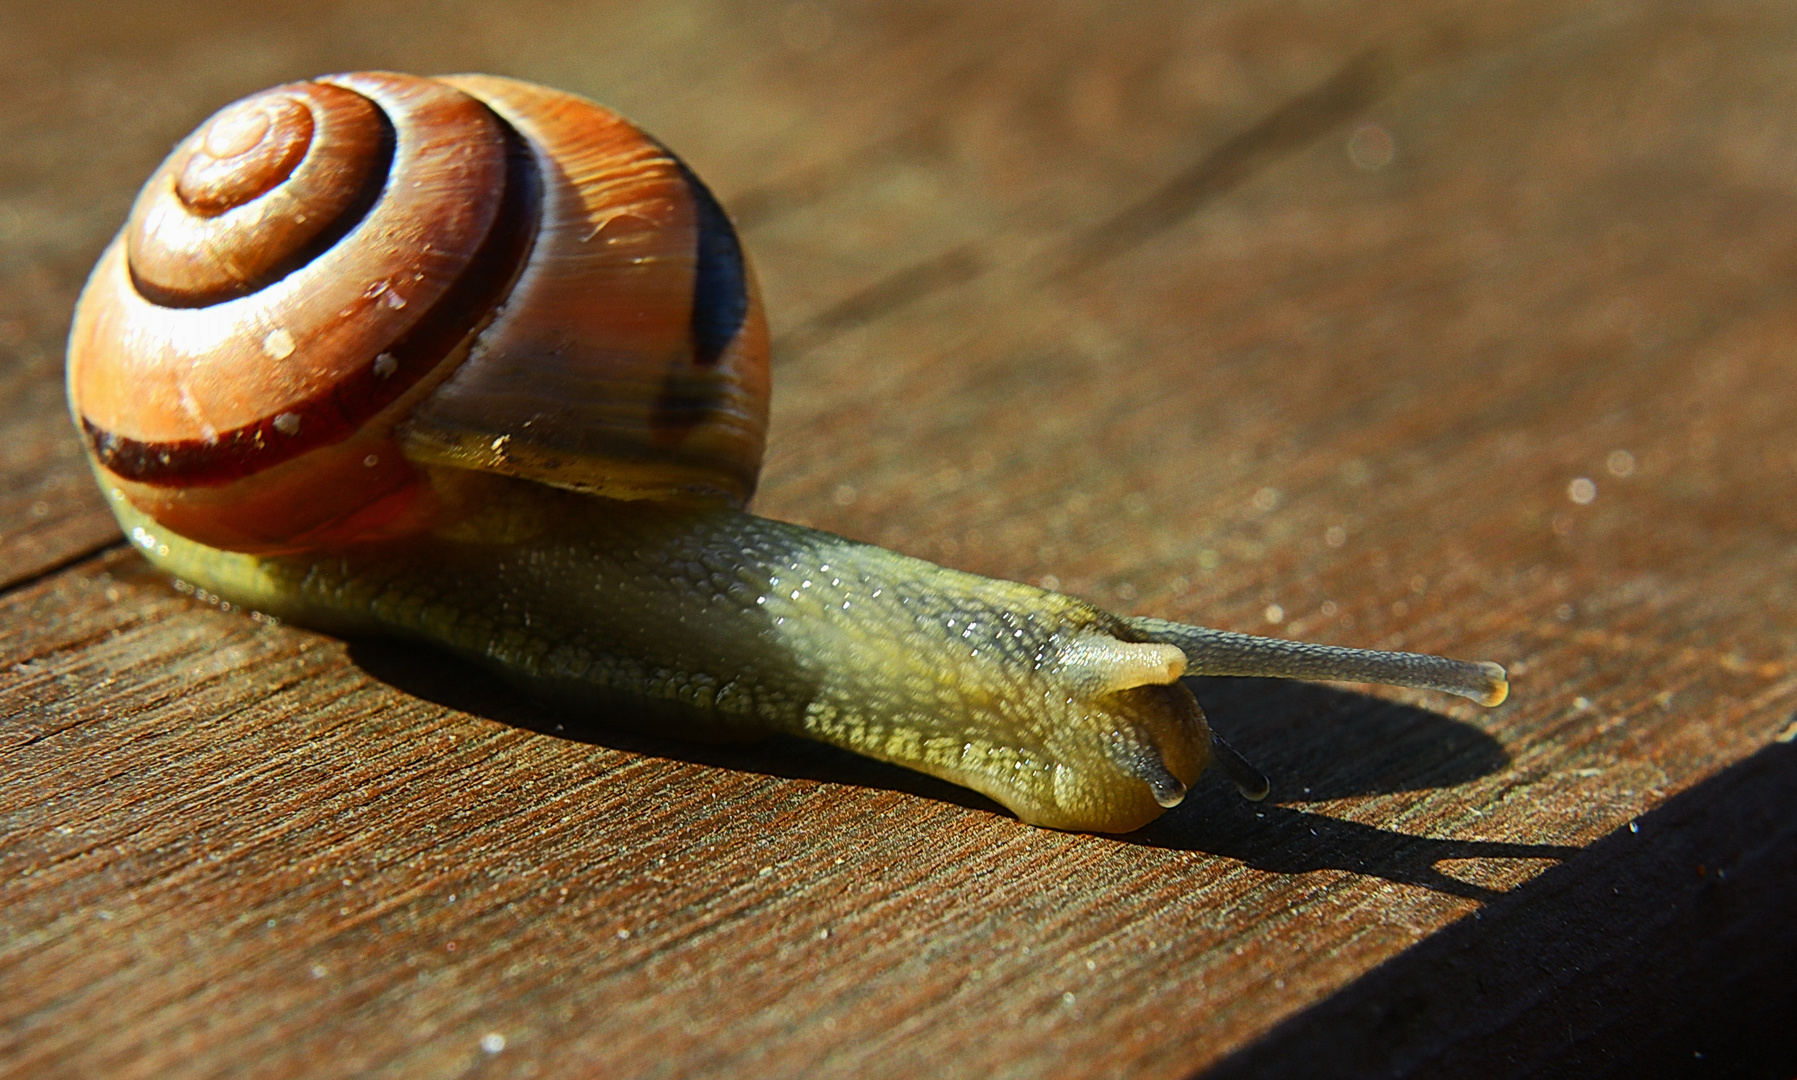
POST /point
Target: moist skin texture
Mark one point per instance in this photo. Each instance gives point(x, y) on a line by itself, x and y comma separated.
point(709, 623)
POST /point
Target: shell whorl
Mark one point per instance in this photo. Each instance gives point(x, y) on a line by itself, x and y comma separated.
point(330, 283)
point(637, 274)
point(230, 217)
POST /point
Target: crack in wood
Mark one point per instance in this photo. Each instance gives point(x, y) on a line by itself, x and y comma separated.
point(65, 562)
point(1291, 127)
point(900, 289)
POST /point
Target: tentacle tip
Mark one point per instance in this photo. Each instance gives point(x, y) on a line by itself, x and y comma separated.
point(1169, 792)
point(1255, 792)
point(1497, 687)
point(1145, 763)
point(1250, 781)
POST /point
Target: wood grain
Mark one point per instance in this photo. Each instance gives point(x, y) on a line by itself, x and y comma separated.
point(1290, 320)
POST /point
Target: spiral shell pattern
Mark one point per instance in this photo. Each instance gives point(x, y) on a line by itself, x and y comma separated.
point(334, 286)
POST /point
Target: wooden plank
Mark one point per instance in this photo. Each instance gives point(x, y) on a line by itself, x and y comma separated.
point(53, 219)
point(1388, 281)
point(1666, 944)
point(50, 512)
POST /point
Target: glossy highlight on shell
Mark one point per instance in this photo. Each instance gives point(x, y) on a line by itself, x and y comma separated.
point(333, 282)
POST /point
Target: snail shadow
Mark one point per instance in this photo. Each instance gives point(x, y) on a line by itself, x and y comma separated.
point(1323, 742)
point(426, 673)
point(1318, 742)
point(1280, 840)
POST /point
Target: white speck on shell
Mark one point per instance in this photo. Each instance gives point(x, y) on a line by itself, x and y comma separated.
point(278, 344)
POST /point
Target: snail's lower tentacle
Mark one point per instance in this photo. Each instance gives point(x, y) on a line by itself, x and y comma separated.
point(1219, 652)
point(1250, 781)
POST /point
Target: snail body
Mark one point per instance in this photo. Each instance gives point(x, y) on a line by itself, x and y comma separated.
point(521, 419)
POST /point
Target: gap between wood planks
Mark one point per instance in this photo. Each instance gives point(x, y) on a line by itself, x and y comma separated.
point(79, 555)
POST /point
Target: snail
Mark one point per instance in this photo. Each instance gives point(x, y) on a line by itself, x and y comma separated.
point(476, 361)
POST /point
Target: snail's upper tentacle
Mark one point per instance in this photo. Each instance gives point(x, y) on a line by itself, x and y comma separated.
point(1221, 652)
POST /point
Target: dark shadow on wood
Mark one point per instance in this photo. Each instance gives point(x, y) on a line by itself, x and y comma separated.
point(1318, 742)
point(426, 673)
point(1214, 820)
point(1279, 840)
point(1664, 952)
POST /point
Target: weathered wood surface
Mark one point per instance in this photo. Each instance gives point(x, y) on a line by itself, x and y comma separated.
point(1302, 320)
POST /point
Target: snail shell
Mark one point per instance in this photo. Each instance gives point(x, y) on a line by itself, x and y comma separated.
point(331, 283)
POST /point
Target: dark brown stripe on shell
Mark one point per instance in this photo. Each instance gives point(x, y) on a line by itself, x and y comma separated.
point(335, 414)
point(720, 307)
point(720, 285)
